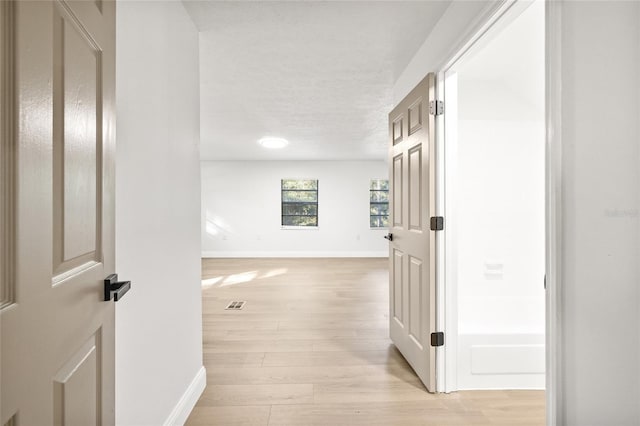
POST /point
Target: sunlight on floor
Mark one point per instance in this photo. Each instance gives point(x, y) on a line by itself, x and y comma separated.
point(274, 273)
point(210, 282)
point(241, 278)
point(244, 277)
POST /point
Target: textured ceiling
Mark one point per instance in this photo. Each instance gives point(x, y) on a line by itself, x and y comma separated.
point(319, 74)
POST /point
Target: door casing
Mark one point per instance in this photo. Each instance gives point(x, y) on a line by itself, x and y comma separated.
point(498, 16)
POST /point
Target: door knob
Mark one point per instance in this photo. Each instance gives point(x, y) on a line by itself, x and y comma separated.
point(389, 236)
point(115, 289)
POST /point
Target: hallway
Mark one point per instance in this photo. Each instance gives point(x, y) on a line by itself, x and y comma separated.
point(311, 347)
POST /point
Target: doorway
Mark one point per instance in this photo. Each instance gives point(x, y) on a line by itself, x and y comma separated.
point(494, 139)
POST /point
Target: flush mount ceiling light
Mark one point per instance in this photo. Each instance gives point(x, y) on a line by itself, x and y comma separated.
point(273, 143)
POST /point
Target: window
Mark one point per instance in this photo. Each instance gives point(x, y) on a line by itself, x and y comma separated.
point(299, 202)
point(379, 203)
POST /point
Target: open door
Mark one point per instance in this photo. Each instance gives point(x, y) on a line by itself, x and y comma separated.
point(412, 243)
point(57, 223)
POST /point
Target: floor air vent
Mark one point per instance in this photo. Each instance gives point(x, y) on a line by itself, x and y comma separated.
point(235, 306)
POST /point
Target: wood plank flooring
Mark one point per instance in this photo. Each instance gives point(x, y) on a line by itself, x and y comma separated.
point(311, 347)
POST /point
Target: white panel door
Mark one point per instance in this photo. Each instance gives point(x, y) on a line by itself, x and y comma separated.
point(412, 243)
point(58, 140)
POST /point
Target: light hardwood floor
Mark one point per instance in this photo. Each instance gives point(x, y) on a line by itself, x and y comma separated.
point(311, 347)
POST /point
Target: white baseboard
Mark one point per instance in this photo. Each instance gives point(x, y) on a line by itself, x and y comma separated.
point(183, 408)
point(501, 361)
point(253, 254)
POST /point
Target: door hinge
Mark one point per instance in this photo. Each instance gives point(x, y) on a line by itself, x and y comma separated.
point(437, 223)
point(437, 339)
point(436, 107)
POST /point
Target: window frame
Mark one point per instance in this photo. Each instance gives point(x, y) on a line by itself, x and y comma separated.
point(372, 203)
point(283, 203)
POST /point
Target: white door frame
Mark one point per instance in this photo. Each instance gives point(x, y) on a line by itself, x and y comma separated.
point(446, 285)
point(554, 220)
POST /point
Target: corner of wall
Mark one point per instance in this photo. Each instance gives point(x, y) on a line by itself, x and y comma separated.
point(185, 404)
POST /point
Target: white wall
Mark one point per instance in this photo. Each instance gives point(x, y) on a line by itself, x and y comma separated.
point(598, 132)
point(500, 215)
point(500, 229)
point(158, 323)
point(501, 226)
point(241, 209)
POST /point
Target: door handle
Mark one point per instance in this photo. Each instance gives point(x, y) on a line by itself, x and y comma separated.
point(115, 289)
point(389, 236)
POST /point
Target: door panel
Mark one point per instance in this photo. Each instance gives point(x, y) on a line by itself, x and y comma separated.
point(414, 117)
point(76, 145)
point(412, 276)
point(58, 336)
point(397, 298)
point(397, 131)
point(396, 191)
point(7, 153)
point(415, 188)
point(415, 296)
point(76, 387)
point(76, 99)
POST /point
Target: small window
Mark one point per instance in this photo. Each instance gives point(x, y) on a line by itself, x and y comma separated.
point(379, 203)
point(299, 202)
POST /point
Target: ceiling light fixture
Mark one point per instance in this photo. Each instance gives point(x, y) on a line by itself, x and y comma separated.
point(273, 143)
